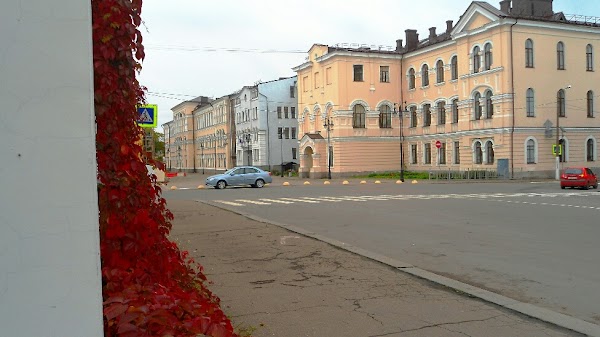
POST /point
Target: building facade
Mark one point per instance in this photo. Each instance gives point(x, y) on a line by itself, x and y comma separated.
point(482, 95)
point(266, 124)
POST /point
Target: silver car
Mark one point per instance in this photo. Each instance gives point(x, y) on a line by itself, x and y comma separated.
point(238, 176)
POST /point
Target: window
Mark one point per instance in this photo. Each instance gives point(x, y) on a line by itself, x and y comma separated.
point(590, 104)
point(476, 60)
point(279, 112)
point(530, 103)
point(413, 154)
point(280, 133)
point(439, 71)
point(489, 106)
point(441, 110)
point(589, 57)
point(442, 154)
point(358, 116)
point(317, 82)
point(294, 153)
point(456, 152)
point(384, 74)
point(255, 113)
point(328, 75)
point(477, 106)
point(478, 153)
point(487, 57)
point(293, 112)
point(286, 112)
point(426, 115)
point(560, 103)
point(560, 56)
point(589, 150)
point(427, 153)
point(455, 110)
point(385, 117)
point(413, 116)
point(454, 67)
point(531, 151)
point(411, 78)
point(255, 155)
point(358, 73)
point(529, 53)
point(489, 151)
point(425, 76)
point(286, 132)
point(292, 91)
point(293, 133)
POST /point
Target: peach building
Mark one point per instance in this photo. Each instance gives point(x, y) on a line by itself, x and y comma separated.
point(492, 93)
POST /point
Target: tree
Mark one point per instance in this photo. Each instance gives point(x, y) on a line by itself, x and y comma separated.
point(159, 146)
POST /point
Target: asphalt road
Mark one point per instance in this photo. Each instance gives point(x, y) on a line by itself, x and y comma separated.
point(531, 242)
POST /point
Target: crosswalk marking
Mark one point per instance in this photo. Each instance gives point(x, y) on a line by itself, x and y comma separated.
point(495, 197)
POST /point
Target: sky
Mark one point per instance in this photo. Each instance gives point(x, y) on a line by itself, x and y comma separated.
point(213, 48)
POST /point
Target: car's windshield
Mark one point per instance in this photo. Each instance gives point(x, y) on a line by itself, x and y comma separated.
point(229, 171)
point(573, 171)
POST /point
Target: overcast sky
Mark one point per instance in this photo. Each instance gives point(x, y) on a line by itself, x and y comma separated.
point(213, 48)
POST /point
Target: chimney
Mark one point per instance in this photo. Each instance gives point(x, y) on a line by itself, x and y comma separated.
point(432, 35)
point(399, 46)
point(412, 39)
point(449, 26)
point(505, 6)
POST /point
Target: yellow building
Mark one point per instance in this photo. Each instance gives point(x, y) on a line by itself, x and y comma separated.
point(492, 93)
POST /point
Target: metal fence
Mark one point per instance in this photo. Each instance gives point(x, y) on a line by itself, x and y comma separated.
point(463, 175)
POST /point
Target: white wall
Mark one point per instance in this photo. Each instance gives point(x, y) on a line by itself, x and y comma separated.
point(50, 281)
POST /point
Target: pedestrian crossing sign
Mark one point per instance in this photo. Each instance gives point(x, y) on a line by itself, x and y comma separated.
point(147, 115)
point(557, 150)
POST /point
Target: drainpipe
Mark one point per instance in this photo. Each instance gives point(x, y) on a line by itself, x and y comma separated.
point(268, 130)
point(194, 140)
point(512, 80)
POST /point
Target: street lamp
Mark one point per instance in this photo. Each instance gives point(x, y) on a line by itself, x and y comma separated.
point(281, 148)
point(179, 157)
point(558, 149)
point(245, 139)
point(328, 125)
point(400, 113)
point(202, 155)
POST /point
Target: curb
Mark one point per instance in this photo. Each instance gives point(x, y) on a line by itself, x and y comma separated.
point(542, 314)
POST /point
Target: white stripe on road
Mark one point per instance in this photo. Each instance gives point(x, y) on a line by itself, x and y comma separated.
point(229, 203)
point(300, 200)
point(254, 202)
point(276, 201)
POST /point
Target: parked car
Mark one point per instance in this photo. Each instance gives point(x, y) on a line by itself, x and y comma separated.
point(239, 176)
point(581, 177)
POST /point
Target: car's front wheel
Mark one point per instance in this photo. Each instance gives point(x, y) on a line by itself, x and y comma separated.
point(221, 185)
point(259, 183)
point(562, 187)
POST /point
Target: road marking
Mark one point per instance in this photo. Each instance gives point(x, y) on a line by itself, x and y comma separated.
point(276, 201)
point(301, 200)
point(229, 203)
point(254, 202)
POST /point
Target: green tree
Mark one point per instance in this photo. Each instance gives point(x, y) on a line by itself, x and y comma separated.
point(159, 146)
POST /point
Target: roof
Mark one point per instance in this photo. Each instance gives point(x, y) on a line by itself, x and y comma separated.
point(491, 8)
point(314, 135)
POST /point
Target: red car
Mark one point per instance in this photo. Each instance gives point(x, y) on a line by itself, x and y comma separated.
point(578, 177)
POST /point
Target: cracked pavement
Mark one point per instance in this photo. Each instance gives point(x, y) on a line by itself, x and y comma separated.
point(284, 284)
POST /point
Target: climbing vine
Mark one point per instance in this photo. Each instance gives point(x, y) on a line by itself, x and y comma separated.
point(150, 287)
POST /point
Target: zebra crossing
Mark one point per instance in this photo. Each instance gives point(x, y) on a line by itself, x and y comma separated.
point(500, 197)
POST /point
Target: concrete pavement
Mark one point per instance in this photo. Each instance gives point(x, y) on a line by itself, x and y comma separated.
point(279, 283)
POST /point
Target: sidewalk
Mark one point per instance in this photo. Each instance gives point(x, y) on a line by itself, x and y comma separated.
point(279, 283)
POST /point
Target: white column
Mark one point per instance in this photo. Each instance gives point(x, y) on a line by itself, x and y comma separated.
point(50, 282)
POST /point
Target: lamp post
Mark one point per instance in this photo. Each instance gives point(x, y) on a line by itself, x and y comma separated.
point(179, 157)
point(245, 139)
point(400, 113)
point(248, 140)
point(216, 143)
point(328, 125)
point(169, 158)
point(558, 149)
point(202, 155)
point(281, 148)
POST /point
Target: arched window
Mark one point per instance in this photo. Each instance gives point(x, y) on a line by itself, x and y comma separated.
point(487, 57)
point(489, 151)
point(454, 67)
point(560, 56)
point(426, 115)
point(385, 117)
point(441, 111)
point(476, 59)
point(590, 104)
point(529, 53)
point(589, 58)
point(530, 103)
point(358, 116)
point(478, 153)
point(531, 152)
point(590, 150)
point(489, 106)
point(411, 78)
point(439, 71)
point(477, 106)
point(413, 116)
point(425, 75)
point(455, 110)
point(560, 103)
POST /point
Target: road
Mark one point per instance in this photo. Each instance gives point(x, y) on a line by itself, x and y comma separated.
point(531, 242)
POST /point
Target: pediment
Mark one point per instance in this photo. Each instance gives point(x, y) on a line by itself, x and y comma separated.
point(476, 16)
